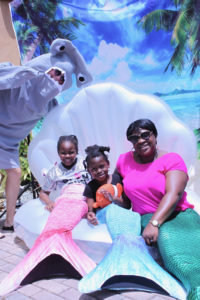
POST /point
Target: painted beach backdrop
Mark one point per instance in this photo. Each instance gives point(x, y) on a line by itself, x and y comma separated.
point(136, 43)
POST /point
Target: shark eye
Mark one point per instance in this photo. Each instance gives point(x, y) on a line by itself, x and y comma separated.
point(81, 78)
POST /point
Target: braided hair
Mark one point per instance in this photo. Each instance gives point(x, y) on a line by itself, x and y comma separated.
point(67, 138)
point(95, 151)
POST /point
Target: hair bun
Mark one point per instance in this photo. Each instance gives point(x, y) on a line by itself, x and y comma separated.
point(95, 151)
point(103, 149)
point(90, 149)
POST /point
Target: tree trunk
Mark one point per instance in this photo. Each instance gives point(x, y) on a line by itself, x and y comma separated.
point(32, 49)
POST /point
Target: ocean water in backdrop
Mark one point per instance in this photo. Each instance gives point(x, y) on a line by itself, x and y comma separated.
point(186, 107)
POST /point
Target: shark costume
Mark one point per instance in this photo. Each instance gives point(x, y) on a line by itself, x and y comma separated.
point(27, 94)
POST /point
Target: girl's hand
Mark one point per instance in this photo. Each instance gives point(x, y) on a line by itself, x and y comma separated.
point(107, 195)
point(50, 206)
point(150, 234)
point(91, 217)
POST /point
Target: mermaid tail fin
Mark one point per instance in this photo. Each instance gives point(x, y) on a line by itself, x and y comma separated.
point(128, 264)
point(59, 244)
point(55, 240)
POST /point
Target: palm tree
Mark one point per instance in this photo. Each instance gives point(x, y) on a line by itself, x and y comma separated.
point(41, 16)
point(184, 23)
point(25, 36)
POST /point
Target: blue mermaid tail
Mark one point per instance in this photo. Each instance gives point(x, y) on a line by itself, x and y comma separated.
point(128, 264)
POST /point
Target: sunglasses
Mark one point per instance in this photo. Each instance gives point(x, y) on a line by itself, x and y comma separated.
point(62, 79)
point(57, 72)
point(135, 138)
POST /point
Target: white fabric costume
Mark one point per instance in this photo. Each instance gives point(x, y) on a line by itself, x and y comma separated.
point(27, 94)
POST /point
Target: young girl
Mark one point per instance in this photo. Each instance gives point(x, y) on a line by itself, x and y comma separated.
point(54, 252)
point(32, 216)
point(97, 164)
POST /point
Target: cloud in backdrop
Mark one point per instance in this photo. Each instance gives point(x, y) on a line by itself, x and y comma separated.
point(117, 50)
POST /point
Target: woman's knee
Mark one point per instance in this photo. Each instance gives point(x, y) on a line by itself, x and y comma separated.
point(15, 173)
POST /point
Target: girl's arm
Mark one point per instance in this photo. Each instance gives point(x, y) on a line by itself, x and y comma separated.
point(91, 215)
point(175, 184)
point(44, 196)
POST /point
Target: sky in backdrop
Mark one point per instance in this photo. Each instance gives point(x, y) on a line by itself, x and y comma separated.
point(116, 49)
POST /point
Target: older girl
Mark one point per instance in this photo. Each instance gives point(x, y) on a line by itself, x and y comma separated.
point(54, 252)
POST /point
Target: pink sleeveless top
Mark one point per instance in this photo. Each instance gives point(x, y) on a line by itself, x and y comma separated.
point(144, 184)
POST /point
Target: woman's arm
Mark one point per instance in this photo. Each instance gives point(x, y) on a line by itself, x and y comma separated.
point(91, 215)
point(44, 196)
point(175, 184)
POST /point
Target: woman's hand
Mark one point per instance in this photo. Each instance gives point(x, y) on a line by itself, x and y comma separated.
point(50, 206)
point(91, 217)
point(150, 234)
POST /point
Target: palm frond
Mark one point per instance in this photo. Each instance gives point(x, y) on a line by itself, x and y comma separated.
point(178, 2)
point(177, 60)
point(184, 23)
point(159, 19)
point(181, 29)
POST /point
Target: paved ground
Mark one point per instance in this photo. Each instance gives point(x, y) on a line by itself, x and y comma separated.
point(12, 250)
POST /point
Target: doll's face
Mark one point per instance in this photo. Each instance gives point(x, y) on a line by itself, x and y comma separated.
point(98, 169)
point(67, 153)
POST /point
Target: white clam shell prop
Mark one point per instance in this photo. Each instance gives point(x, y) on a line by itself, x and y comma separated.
point(99, 114)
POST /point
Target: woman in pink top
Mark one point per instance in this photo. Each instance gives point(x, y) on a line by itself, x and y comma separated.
point(154, 181)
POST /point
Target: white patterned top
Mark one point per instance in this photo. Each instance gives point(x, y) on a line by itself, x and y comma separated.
point(58, 176)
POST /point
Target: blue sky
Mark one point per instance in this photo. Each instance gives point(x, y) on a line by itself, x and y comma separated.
point(117, 50)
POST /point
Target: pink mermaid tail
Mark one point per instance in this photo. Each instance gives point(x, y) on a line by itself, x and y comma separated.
point(54, 242)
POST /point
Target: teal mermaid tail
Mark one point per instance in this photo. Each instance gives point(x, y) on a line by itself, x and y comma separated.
point(112, 215)
point(179, 246)
point(128, 264)
point(194, 294)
